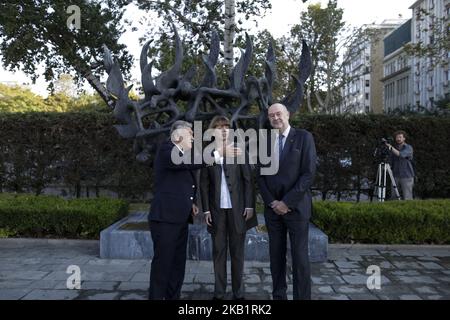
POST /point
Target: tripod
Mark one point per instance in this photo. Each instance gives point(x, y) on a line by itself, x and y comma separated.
point(381, 181)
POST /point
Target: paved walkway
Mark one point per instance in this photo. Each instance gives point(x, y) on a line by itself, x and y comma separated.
point(36, 269)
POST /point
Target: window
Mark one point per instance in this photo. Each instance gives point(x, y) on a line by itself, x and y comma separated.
point(367, 83)
point(367, 96)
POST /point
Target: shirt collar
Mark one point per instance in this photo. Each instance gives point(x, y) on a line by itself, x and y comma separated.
point(179, 148)
point(286, 132)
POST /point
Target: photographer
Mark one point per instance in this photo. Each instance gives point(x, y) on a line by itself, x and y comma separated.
point(401, 157)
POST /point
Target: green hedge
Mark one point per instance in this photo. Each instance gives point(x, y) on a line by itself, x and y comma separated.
point(83, 150)
point(48, 216)
point(393, 222)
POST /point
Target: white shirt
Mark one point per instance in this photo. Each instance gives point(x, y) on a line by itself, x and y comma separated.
point(225, 198)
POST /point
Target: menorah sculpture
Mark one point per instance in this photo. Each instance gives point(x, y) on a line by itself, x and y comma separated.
point(163, 94)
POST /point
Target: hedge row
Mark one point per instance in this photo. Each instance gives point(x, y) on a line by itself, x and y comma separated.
point(83, 149)
point(48, 216)
point(393, 222)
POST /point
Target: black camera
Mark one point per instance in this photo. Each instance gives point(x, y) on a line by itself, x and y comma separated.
point(382, 153)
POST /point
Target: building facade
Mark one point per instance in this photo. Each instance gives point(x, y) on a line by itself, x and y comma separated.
point(364, 91)
point(397, 76)
point(431, 77)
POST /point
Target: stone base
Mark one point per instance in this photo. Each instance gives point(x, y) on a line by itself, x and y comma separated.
point(128, 239)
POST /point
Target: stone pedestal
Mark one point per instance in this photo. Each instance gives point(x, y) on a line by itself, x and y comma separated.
point(130, 238)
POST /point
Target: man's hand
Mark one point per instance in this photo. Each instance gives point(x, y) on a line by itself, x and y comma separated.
point(229, 151)
point(279, 207)
point(194, 210)
point(208, 218)
point(248, 213)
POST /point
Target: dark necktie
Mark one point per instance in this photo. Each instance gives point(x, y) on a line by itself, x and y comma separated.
point(280, 145)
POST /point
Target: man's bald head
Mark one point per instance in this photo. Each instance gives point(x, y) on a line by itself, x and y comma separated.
point(278, 116)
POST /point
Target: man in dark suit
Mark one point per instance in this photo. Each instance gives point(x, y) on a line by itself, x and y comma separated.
point(287, 199)
point(171, 209)
point(228, 200)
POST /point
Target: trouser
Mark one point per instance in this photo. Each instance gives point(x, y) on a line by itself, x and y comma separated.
point(169, 260)
point(406, 186)
point(301, 272)
point(225, 236)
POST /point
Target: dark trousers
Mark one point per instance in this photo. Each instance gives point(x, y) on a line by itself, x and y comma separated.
point(225, 236)
point(169, 260)
point(301, 271)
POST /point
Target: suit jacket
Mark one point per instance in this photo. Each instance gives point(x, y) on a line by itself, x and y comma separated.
point(175, 188)
point(242, 193)
point(294, 178)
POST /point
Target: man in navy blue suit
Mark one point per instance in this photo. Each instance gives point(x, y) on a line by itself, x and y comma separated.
point(171, 210)
point(287, 198)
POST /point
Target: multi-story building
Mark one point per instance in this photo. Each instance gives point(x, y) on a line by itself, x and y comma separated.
point(364, 69)
point(430, 76)
point(397, 77)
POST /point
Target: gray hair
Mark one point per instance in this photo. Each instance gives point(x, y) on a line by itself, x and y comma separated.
point(177, 125)
point(180, 124)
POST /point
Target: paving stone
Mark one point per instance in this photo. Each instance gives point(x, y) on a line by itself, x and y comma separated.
point(405, 273)
point(407, 265)
point(134, 296)
point(15, 284)
point(416, 280)
point(323, 289)
point(204, 278)
point(13, 294)
point(252, 279)
point(431, 265)
point(38, 294)
point(141, 277)
point(44, 284)
point(333, 297)
point(327, 280)
point(363, 297)
point(103, 296)
point(351, 289)
point(22, 275)
point(190, 287)
point(410, 297)
point(347, 265)
point(130, 286)
point(424, 290)
point(99, 285)
point(428, 259)
point(435, 297)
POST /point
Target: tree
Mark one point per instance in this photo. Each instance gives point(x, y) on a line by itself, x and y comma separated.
point(328, 37)
point(34, 32)
point(194, 20)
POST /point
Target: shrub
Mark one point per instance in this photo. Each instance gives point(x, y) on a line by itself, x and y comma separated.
point(27, 215)
point(393, 222)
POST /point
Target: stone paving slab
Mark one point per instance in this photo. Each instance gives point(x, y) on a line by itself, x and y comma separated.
point(36, 269)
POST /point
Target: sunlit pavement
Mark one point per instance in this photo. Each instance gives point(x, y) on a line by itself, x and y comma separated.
point(38, 269)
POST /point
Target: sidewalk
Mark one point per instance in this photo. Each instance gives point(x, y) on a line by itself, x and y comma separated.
point(36, 269)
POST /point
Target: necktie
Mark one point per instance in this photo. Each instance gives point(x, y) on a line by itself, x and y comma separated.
point(280, 145)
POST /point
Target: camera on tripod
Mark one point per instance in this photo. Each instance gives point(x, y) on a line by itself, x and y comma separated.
point(382, 153)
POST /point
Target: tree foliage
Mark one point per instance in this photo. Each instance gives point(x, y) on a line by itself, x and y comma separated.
point(37, 32)
point(22, 99)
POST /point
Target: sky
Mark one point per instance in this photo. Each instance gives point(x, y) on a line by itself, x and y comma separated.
point(284, 14)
